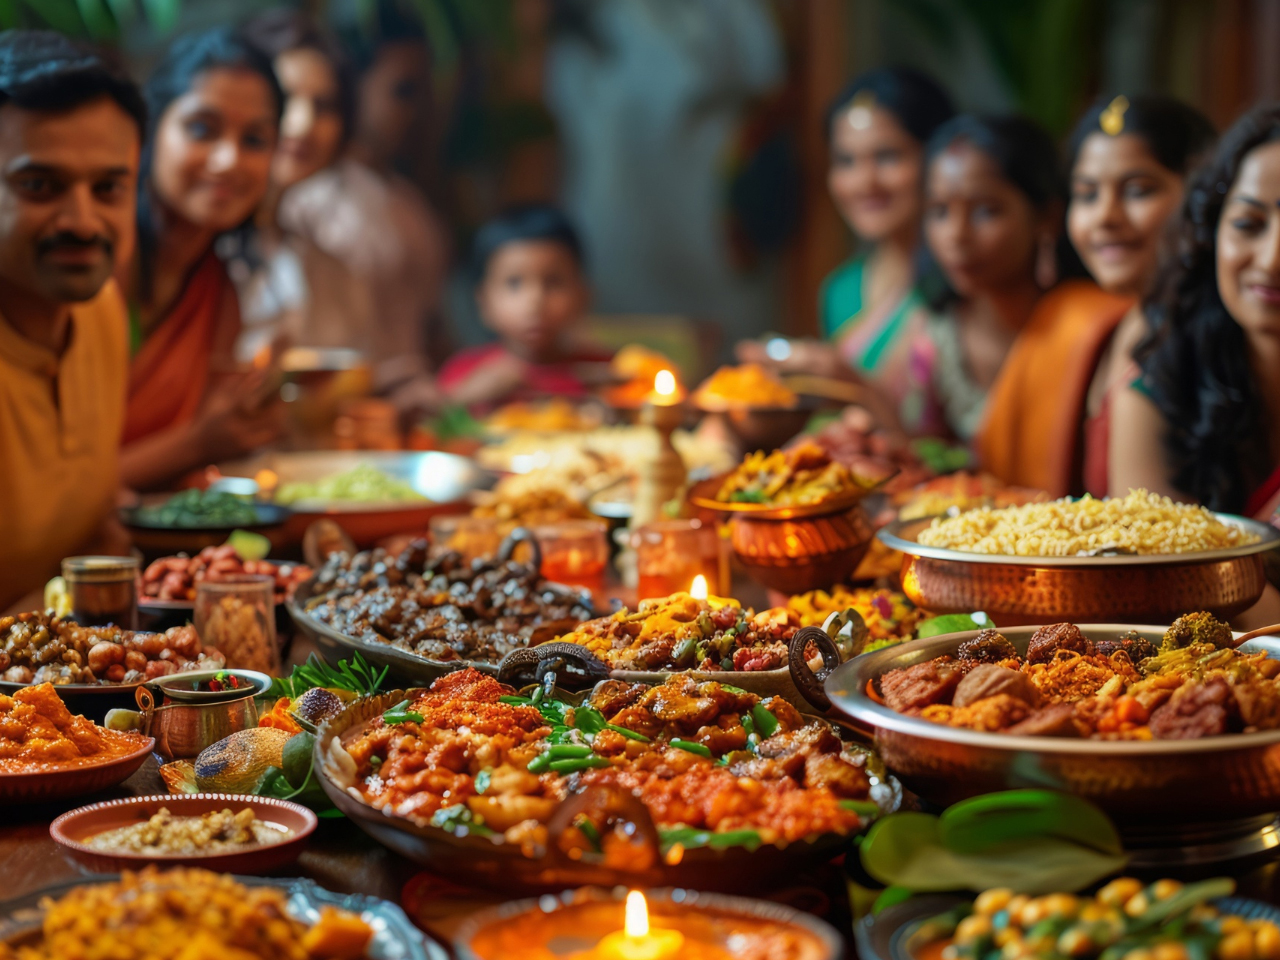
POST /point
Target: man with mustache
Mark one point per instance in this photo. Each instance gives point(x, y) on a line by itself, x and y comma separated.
point(70, 135)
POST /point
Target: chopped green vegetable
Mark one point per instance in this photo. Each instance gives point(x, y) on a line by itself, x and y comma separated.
point(629, 734)
point(690, 747)
point(541, 763)
point(249, 545)
point(516, 701)
point(574, 764)
point(589, 830)
point(201, 508)
point(459, 820)
point(483, 778)
point(863, 808)
point(692, 839)
point(401, 713)
point(766, 722)
point(588, 719)
point(562, 751)
point(362, 484)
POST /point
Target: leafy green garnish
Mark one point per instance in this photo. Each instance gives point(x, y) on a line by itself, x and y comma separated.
point(355, 675)
point(953, 623)
point(483, 778)
point(460, 821)
point(401, 713)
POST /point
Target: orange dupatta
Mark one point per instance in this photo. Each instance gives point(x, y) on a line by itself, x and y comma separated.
point(1031, 436)
point(169, 374)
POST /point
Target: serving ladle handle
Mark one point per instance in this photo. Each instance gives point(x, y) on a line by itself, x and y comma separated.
point(1271, 631)
point(851, 630)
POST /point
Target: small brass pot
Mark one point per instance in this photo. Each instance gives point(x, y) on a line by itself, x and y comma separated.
point(184, 727)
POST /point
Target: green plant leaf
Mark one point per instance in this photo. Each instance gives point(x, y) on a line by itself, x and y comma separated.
point(953, 623)
point(1020, 839)
point(97, 19)
point(979, 822)
point(162, 14)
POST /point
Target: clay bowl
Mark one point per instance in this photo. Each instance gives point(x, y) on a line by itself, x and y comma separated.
point(61, 783)
point(73, 830)
point(1124, 588)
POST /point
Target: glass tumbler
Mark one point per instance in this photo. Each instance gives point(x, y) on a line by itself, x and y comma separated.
point(574, 552)
point(670, 553)
point(237, 616)
point(103, 590)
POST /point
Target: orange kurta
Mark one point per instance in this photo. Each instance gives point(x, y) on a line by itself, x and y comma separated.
point(1032, 433)
point(60, 419)
point(170, 373)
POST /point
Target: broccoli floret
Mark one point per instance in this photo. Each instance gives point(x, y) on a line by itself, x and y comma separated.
point(1198, 627)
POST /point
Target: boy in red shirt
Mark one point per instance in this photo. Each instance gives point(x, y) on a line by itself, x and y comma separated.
point(532, 292)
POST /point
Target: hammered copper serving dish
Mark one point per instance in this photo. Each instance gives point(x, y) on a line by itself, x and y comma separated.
point(482, 863)
point(1024, 590)
point(1138, 783)
point(794, 549)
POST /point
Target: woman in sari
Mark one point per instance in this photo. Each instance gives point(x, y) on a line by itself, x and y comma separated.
point(215, 106)
point(993, 206)
point(1202, 421)
point(291, 291)
point(1049, 422)
point(870, 311)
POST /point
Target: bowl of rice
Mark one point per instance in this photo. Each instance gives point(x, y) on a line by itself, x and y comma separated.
point(1138, 558)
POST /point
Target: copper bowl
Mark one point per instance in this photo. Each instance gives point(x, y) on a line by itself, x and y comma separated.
point(794, 549)
point(1140, 784)
point(1024, 590)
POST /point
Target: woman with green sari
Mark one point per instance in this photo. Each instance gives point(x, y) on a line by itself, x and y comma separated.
point(869, 310)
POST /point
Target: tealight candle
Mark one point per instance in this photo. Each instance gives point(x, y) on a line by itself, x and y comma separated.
point(666, 390)
point(636, 941)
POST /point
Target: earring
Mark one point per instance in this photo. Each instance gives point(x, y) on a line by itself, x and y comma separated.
point(1046, 263)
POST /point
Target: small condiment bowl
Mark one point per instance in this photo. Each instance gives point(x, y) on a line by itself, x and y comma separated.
point(74, 829)
point(182, 687)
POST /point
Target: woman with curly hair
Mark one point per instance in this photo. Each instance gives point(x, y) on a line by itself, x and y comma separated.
point(1202, 422)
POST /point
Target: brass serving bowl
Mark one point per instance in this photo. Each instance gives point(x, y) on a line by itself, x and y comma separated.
point(1142, 785)
point(794, 549)
point(1024, 590)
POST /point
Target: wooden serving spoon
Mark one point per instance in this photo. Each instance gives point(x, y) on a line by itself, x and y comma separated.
point(1273, 630)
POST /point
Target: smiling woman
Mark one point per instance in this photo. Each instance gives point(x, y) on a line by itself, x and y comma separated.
point(1203, 420)
point(205, 170)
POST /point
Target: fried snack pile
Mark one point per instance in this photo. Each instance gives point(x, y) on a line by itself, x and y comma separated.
point(749, 385)
point(40, 648)
point(471, 754)
point(1194, 685)
point(802, 475)
point(188, 914)
point(36, 728)
point(216, 831)
point(443, 608)
point(680, 632)
point(1140, 523)
point(521, 505)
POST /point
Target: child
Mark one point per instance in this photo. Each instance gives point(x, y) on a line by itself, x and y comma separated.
point(532, 292)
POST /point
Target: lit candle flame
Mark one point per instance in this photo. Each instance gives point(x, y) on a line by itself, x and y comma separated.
point(637, 922)
point(698, 589)
point(664, 384)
